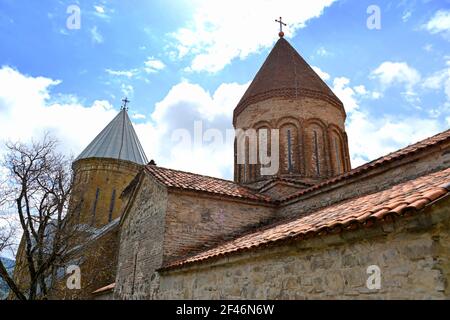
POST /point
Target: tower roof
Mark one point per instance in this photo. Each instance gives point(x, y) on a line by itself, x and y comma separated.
point(286, 74)
point(117, 140)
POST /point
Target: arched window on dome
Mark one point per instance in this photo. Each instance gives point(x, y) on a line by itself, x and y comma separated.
point(315, 152)
point(264, 148)
point(337, 155)
point(289, 149)
point(316, 155)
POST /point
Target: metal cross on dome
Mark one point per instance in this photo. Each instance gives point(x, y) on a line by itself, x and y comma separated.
point(125, 102)
point(281, 33)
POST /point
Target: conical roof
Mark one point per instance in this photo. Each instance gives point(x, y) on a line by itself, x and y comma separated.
point(286, 74)
point(117, 140)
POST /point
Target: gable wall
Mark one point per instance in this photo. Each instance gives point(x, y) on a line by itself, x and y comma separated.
point(141, 239)
point(193, 221)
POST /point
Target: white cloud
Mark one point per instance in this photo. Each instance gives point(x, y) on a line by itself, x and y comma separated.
point(439, 23)
point(99, 9)
point(96, 36)
point(376, 95)
point(406, 16)
point(183, 106)
point(138, 116)
point(360, 90)
point(127, 90)
point(439, 80)
point(322, 52)
point(428, 47)
point(28, 110)
point(122, 73)
point(389, 73)
point(221, 31)
point(322, 74)
point(347, 95)
point(153, 65)
point(28, 103)
point(370, 136)
point(102, 12)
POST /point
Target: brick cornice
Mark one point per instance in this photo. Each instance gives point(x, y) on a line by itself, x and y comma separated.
point(287, 93)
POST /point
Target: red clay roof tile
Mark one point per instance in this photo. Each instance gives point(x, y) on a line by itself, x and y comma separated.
point(109, 287)
point(195, 182)
point(348, 214)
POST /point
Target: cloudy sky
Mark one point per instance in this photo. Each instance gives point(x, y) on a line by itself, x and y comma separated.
point(185, 62)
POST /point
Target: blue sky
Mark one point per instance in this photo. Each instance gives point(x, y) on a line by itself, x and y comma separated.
point(186, 61)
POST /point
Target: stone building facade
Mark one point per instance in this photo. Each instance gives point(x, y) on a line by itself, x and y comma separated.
point(412, 256)
point(314, 229)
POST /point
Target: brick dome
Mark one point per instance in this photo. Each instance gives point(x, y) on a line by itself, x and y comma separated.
point(285, 74)
point(287, 96)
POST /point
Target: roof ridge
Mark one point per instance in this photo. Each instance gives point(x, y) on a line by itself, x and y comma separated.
point(196, 182)
point(196, 174)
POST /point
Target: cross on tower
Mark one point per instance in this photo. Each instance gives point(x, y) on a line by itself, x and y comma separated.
point(281, 33)
point(125, 102)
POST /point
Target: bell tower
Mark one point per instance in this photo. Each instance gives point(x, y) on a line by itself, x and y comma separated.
point(288, 99)
point(104, 169)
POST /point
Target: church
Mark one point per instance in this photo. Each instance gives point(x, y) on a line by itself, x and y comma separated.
point(314, 229)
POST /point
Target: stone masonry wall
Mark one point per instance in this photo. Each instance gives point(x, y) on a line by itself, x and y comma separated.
point(412, 253)
point(98, 184)
point(98, 263)
point(141, 241)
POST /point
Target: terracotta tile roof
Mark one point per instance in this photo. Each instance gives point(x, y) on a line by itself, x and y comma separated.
point(109, 287)
point(195, 182)
point(286, 74)
point(399, 154)
point(350, 214)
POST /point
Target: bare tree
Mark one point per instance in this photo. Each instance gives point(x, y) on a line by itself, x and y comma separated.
point(38, 188)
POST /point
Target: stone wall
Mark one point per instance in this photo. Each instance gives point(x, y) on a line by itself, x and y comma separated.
point(97, 260)
point(141, 240)
point(412, 253)
point(98, 184)
point(162, 225)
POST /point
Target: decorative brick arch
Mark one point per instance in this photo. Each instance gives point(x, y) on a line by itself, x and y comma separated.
point(262, 125)
point(316, 149)
point(245, 172)
point(337, 153)
point(290, 135)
